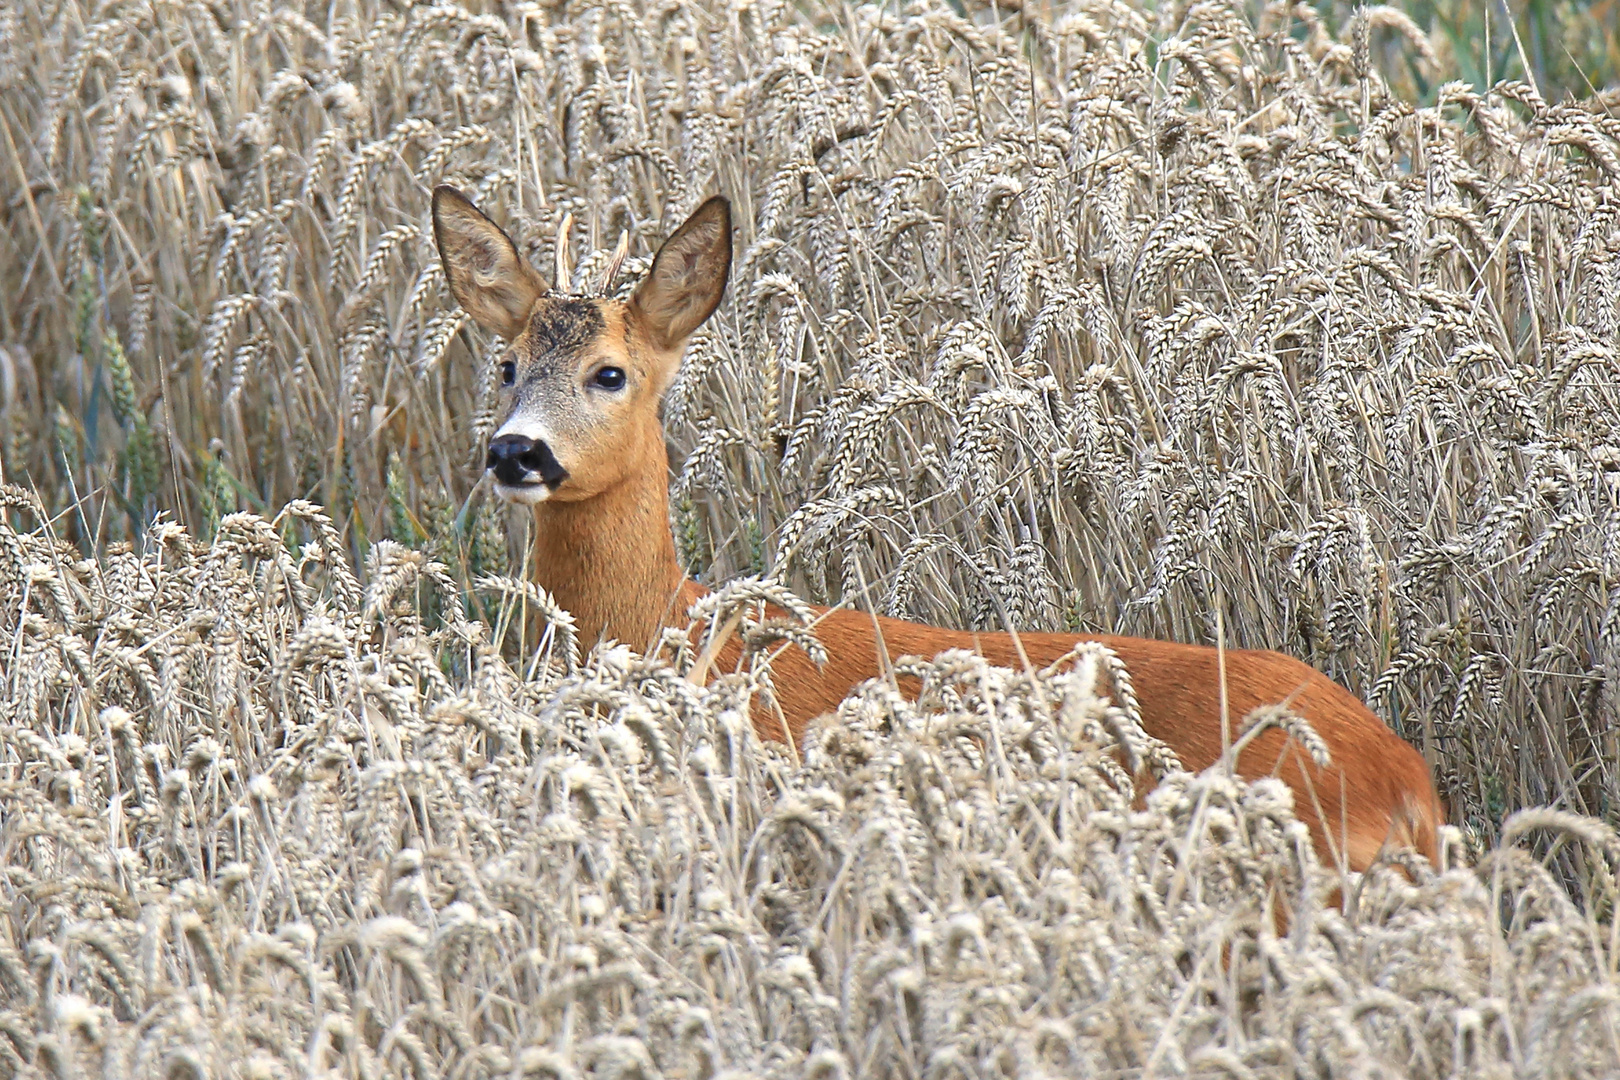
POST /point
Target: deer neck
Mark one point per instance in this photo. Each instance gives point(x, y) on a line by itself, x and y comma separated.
point(610, 559)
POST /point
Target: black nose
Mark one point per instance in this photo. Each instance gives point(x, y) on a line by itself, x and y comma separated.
point(517, 460)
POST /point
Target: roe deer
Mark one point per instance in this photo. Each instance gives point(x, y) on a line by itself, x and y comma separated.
point(582, 444)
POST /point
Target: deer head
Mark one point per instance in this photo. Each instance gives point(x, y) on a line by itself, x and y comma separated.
point(582, 376)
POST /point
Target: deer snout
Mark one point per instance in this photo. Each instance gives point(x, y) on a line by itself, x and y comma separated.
point(517, 460)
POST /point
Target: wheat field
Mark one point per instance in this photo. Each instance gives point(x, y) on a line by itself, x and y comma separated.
point(1171, 321)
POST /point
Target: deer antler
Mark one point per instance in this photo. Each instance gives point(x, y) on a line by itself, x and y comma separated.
point(620, 250)
point(563, 276)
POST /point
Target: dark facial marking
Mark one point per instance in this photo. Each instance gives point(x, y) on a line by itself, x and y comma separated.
point(562, 326)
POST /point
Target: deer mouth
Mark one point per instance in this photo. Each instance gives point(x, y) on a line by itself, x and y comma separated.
point(526, 494)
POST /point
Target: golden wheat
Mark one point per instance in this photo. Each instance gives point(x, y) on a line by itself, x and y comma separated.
point(1085, 316)
point(259, 822)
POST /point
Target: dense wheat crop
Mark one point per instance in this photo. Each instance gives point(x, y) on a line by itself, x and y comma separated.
point(1080, 316)
point(260, 820)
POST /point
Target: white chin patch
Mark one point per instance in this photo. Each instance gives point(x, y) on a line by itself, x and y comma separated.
point(524, 494)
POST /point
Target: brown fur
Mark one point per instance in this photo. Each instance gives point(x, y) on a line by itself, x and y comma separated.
point(604, 549)
point(1376, 791)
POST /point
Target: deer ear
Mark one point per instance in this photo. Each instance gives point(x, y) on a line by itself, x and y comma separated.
point(688, 276)
point(489, 279)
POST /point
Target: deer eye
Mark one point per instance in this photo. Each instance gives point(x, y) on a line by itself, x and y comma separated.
point(508, 373)
point(610, 378)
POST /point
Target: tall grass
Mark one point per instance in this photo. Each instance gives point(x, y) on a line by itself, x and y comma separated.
point(1084, 316)
point(1565, 48)
point(263, 820)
